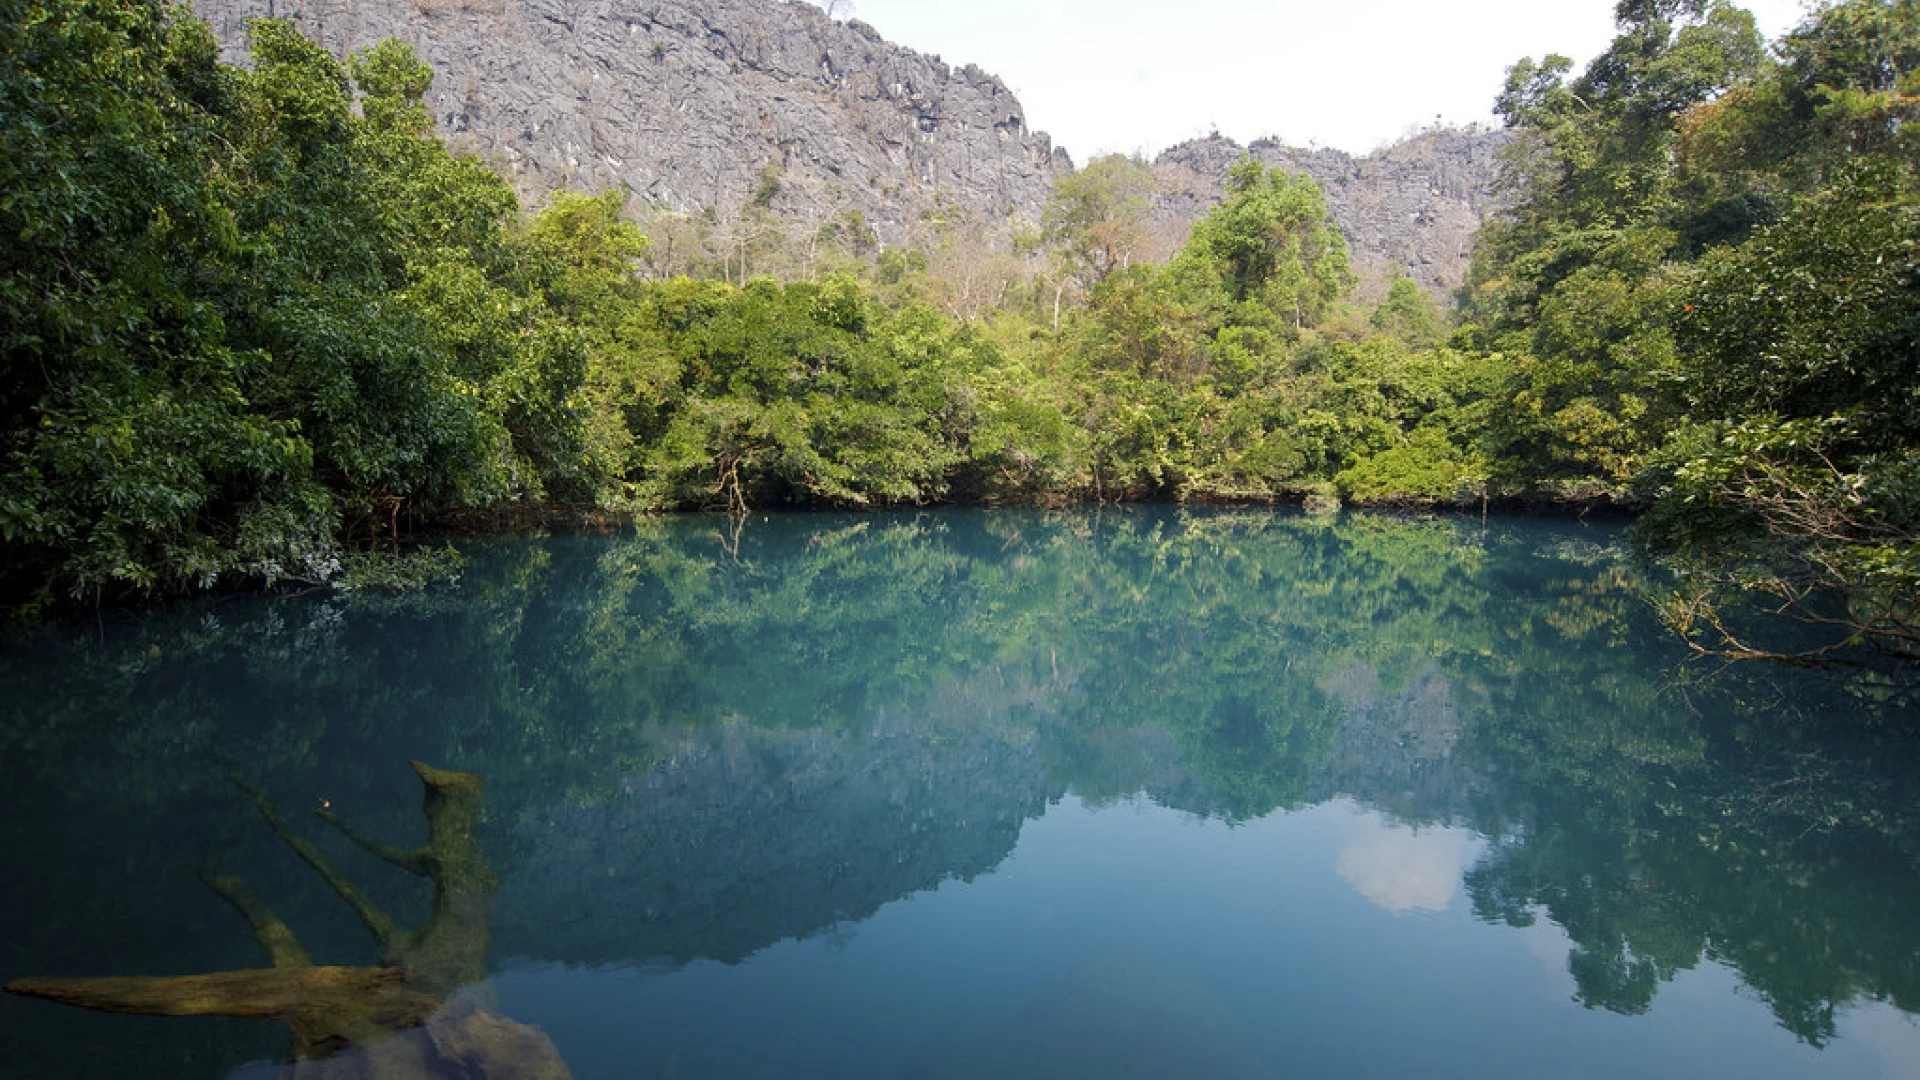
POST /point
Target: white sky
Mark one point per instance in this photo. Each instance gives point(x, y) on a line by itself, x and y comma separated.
point(1124, 75)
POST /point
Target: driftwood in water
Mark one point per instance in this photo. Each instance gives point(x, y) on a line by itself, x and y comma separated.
point(401, 1019)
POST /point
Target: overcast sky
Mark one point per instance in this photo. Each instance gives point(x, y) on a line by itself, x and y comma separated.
point(1125, 75)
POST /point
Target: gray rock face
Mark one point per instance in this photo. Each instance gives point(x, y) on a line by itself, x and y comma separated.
point(1411, 206)
point(700, 103)
point(692, 104)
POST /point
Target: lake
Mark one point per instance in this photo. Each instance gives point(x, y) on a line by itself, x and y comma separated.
point(1145, 792)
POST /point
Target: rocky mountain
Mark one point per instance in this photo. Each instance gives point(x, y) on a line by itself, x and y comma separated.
point(1412, 206)
point(697, 105)
point(692, 104)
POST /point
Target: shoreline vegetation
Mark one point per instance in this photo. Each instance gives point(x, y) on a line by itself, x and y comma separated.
point(261, 325)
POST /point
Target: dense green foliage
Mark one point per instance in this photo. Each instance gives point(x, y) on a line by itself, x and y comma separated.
point(260, 319)
point(1713, 272)
point(243, 323)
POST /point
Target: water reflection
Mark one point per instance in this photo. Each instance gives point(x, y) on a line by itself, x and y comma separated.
point(1404, 869)
point(700, 745)
point(743, 837)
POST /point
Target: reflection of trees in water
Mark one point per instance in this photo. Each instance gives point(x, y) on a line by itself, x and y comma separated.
point(853, 708)
point(1665, 832)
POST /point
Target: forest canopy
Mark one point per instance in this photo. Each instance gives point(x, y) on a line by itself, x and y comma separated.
point(261, 321)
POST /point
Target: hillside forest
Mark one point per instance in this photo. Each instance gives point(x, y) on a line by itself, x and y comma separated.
point(261, 325)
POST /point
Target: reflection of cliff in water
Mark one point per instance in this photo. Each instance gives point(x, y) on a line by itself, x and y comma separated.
point(1395, 749)
point(1391, 748)
point(743, 837)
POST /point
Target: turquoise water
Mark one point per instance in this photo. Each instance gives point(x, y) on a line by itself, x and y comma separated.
point(1106, 794)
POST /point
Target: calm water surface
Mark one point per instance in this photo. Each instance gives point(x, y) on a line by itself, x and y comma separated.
point(1139, 794)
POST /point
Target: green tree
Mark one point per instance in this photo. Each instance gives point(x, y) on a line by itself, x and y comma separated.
point(1847, 86)
point(1591, 156)
point(1271, 244)
point(1796, 490)
point(1096, 217)
point(1410, 314)
point(224, 355)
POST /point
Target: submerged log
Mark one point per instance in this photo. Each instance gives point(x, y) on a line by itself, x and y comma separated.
point(407, 1017)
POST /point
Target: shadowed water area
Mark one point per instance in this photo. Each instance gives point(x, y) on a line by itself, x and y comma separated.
point(1139, 793)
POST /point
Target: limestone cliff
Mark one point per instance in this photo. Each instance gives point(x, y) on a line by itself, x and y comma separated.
point(698, 104)
point(1414, 205)
point(693, 104)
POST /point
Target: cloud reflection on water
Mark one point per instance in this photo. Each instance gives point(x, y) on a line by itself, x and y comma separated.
point(1403, 869)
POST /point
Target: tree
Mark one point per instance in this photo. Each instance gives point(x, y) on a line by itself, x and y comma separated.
point(1592, 156)
point(1269, 244)
point(134, 456)
point(247, 328)
point(1795, 491)
point(1097, 217)
point(1410, 314)
point(1791, 489)
point(1847, 86)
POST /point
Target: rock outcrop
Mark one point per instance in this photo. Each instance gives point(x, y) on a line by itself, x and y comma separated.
point(696, 104)
point(1412, 206)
